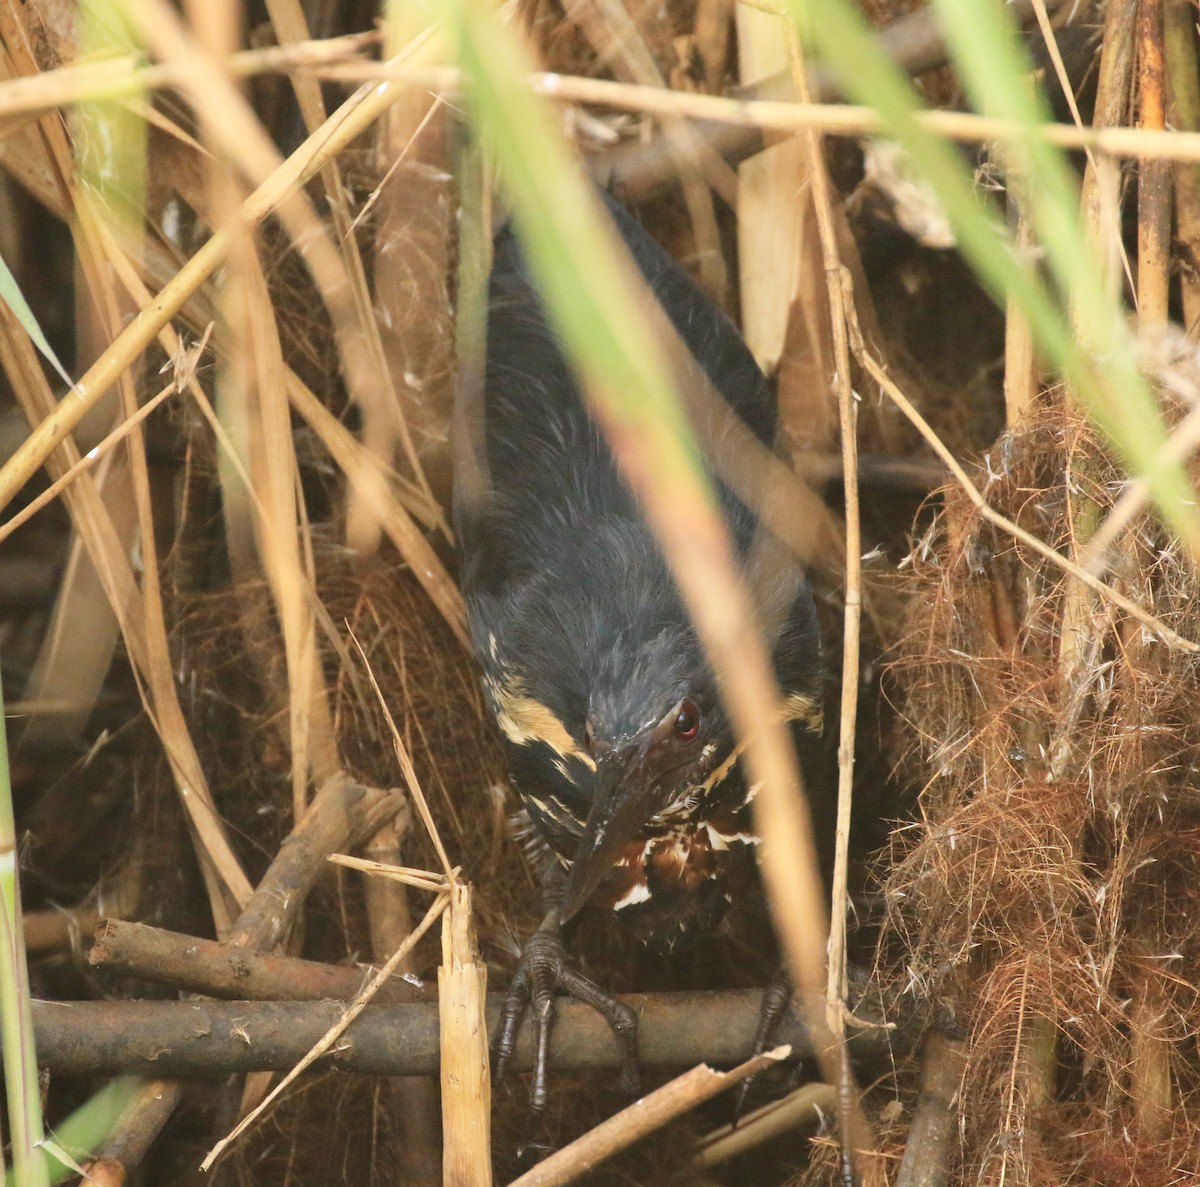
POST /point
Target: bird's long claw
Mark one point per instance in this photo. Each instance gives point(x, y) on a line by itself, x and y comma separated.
point(545, 969)
point(776, 998)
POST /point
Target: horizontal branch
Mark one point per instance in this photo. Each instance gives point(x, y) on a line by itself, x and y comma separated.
point(208, 1038)
point(221, 970)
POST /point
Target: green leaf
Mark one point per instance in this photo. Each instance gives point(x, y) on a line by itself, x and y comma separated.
point(12, 296)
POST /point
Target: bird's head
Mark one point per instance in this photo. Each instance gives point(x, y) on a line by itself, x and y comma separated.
point(655, 729)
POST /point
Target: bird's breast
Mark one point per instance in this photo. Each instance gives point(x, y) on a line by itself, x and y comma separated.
point(677, 880)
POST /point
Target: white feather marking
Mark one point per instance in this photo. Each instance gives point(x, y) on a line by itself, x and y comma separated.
point(639, 892)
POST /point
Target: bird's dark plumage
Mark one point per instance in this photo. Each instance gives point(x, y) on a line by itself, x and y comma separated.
point(583, 639)
point(617, 739)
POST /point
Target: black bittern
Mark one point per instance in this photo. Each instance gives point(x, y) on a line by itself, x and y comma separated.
point(618, 742)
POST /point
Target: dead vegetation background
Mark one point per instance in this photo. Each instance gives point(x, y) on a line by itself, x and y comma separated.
point(197, 619)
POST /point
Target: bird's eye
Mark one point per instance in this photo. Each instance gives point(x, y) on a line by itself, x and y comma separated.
point(687, 721)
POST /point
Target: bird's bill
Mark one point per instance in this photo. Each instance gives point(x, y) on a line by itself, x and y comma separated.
point(625, 799)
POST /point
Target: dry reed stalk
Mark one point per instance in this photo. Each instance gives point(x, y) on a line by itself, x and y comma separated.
point(840, 294)
point(85, 463)
point(140, 617)
point(770, 115)
point(712, 29)
point(1021, 372)
point(465, 1069)
point(245, 142)
point(263, 520)
point(1154, 175)
point(1183, 112)
point(361, 469)
point(94, 525)
point(641, 170)
point(124, 74)
point(414, 244)
point(776, 239)
point(1151, 1091)
point(641, 1118)
point(349, 121)
point(804, 1107)
point(385, 418)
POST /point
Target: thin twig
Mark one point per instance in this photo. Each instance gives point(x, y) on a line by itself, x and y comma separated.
point(856, 1133)
point(85, 463)
point(835, 118)
point(407, 769)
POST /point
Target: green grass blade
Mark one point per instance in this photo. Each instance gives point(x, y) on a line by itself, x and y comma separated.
point(16, 1022)
point(78, 1136)
point(11, 295)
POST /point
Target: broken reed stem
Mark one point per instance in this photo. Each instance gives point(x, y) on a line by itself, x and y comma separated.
point(1154, 176)
point(342, 814)
point(413, 1099)
point(641, 1118)
point(805, 1107)
point(465, 1069)
point(335, 1032)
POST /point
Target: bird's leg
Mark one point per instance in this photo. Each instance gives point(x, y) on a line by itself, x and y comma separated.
point(776, 998)
point(543, 970)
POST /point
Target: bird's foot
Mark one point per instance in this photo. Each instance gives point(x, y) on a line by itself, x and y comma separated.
point(776, 998)
point(545, 969)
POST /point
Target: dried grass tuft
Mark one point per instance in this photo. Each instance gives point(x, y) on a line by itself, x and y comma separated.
point(1044, 904)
